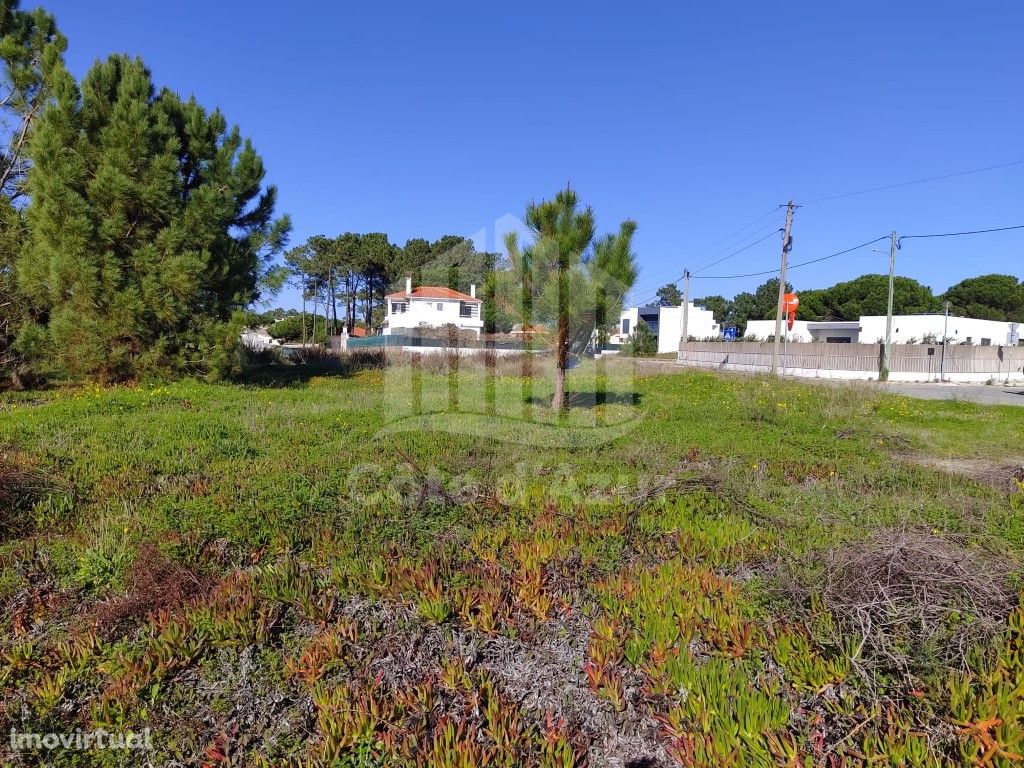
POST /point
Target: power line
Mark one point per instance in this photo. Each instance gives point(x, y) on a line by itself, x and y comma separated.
point(707, 248)
point(863, 245)
point(734, 253)
point(916, 181)
point(733, 234)
point(794, 266)
point(711, 264)
point(971, 232)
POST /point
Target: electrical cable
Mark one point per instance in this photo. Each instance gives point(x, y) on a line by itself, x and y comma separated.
point(650, 285)
point(916, 181)
point(958, 234)
point(800, 264)
point(718, 261)
point(730, 255)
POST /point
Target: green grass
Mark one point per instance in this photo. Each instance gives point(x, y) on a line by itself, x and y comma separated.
point(333, 524)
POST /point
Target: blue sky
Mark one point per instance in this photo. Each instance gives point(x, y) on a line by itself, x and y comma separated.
point(421, 119)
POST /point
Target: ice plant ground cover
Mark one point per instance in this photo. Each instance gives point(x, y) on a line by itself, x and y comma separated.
point(751, 573)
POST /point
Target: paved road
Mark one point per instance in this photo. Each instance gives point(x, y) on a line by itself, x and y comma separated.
point(973, 393)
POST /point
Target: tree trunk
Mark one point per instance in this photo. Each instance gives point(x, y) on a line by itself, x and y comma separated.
point(558, 401)
point(334, 302)
point(369, 300)
point(350, 310)
point(303, 313)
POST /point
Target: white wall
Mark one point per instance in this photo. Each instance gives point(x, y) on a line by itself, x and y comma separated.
point(762, 329)
point(425, 313)
point(632, 314)
point(700, 323)
point(906, 327)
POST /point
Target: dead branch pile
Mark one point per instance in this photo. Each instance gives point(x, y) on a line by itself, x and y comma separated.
point(913, 595)
point(21, 486)
point(155, 583)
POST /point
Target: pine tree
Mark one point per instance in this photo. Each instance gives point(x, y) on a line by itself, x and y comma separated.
point(565, 280)
point(149, 227)
point(30, 49)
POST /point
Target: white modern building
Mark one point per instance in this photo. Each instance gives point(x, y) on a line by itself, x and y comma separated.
point(258, 340)
point(432, 307)
point(906, 329)
point(667, 325)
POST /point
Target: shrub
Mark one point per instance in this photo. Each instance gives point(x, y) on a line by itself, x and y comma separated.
point(290, 329)
point(642, 342)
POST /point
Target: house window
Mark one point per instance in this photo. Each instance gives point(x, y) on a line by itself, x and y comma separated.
point(399, 307)
point(986, 342)
point(465, 309)
point(837, 339)
point(970, 339)
point(440, 307)
point(625, 327)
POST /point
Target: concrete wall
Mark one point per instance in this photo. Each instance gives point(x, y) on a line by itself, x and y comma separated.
point(910, 362)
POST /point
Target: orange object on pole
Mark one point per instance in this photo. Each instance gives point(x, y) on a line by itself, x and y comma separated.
point(790, 304)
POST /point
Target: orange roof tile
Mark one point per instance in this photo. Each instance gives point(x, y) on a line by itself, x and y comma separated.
point(432, 292)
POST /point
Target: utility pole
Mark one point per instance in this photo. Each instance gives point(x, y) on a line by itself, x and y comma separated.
point(686, 307)
point(945, 338)
point(887, 354)
point(787, 244)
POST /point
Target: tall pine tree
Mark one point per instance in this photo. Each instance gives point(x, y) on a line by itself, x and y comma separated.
point(31, 48)
point(149, 227)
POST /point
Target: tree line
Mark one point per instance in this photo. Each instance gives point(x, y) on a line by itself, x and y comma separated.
point(356, 271)
point(987, 297)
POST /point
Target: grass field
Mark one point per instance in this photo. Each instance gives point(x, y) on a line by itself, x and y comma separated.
point(348, 570)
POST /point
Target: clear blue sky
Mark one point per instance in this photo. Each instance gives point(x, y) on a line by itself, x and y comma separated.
point(421, 119)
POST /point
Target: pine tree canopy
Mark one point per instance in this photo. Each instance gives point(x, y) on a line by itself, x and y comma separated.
point(31, 50)
point(149, 226)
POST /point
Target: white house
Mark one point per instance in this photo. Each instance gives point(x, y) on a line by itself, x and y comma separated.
point(906, 329)
point(432, 307)
point(667, 325)
point(258, 339)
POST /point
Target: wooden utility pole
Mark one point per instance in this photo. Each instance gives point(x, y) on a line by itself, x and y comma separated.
point(887, 352)
point(686, 307)
point(787, 244)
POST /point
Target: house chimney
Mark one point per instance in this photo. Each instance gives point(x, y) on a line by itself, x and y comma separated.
point(472, 290)
point(408, 285)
